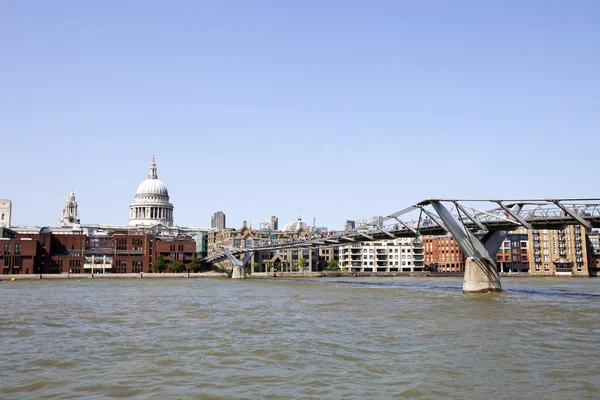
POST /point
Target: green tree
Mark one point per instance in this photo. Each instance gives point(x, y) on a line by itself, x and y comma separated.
point(177, 266)
point(302, 263)
point(256, 266)
point(332, 265)
point(159, 264)
point(195, 265)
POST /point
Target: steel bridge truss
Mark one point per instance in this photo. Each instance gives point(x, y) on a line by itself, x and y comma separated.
point(478, 226)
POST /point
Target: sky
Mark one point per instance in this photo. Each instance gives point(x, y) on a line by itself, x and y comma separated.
point(339, 109)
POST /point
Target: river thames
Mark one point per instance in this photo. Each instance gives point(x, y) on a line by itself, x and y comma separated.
point(330, 338)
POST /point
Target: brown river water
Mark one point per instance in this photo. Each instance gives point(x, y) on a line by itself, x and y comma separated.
point(352, 338)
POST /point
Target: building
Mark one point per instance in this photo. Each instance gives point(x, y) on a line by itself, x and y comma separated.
point(285, 260)
point(560, 251)
point(78, 248)
point(443, 254)
point(201, 239)
point(70, 215)
point(218, 220)
point(349, 225)
point(398, 255)
point(326, 254)
point(513, 254)
point(270, 224)
point(5, 213)
point(151, 204)
point(593, 239)
point(297, 226)
point(101, 252)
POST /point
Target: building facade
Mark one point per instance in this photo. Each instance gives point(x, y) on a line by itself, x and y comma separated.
point(270, 224)
point(398, 255)
point(218, 220)
point(443, 254)
point(560, 251)
point(513, 254)
point(5, 213)
point(101, 252)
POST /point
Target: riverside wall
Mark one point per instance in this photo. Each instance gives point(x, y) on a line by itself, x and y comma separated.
point(112, 276)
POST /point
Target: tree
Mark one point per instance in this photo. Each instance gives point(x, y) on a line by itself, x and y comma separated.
point(332, 265)
point(256, 266)
point(302, 263)
point(177, 266)
point(159, 264)
point(195, 265)
point(433, 267)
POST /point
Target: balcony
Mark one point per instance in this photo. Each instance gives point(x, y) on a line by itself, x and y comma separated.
point(564, 270)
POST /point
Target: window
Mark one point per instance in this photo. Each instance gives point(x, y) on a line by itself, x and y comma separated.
point(121, 244)
point(17, 248)
point(137, 244)
point(7, 248)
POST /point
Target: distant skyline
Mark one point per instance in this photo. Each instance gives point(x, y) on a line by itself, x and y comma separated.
point(342, 109)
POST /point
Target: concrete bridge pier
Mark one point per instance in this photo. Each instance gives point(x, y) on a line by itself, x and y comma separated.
point(238, 273)
point(481, 276)
point(239, 266)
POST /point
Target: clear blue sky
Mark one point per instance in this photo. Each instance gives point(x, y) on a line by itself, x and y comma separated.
point(339, 108)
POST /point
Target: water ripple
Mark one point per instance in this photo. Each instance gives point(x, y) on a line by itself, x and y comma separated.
point(290, 339)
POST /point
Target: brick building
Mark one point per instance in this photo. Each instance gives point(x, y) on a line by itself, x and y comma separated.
point(444, 253)
point(561, 252)
point(100, 252)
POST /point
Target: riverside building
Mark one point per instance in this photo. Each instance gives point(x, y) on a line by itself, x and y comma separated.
point(560, 252)
point(398, 255)
point(80, 248)
point(443, 254)
point(285, 260)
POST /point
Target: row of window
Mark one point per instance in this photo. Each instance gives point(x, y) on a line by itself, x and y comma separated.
point(17, 248)
point(12, 261)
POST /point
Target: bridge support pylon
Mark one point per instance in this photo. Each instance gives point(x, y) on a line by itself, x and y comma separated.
point(481, 276)
point(481, 273)
point(239, 266)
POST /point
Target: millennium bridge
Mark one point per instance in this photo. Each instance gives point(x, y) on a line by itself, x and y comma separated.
point(478, 226)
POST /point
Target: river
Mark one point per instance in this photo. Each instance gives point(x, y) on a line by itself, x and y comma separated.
point(353, 338)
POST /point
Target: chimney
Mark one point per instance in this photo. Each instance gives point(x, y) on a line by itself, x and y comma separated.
point(244, 224)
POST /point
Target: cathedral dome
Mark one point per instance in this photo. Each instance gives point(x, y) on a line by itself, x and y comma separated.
point(151, 204)
point(152, 187)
